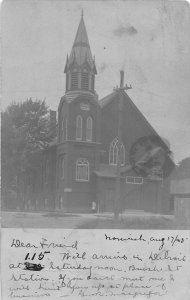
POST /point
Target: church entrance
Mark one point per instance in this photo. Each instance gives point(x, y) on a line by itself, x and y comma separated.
point(60, 203)
point(109, 200)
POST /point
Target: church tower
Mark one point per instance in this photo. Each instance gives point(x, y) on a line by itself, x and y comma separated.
point(80, 68)
point(78, 129)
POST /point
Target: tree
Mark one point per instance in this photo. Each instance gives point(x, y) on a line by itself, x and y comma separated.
point(25, 133)
point(183, 168)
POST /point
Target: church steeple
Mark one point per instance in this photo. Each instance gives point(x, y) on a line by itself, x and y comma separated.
point(80, 67)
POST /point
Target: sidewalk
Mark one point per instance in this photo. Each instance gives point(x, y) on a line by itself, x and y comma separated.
point(127, 220)
point(40, 220)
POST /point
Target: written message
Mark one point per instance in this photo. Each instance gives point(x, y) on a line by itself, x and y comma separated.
point(87, 264)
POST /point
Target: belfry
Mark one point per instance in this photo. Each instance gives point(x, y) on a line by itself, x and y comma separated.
point(80, 68)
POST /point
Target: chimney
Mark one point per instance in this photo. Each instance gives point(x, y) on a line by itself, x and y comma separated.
point(121, 79)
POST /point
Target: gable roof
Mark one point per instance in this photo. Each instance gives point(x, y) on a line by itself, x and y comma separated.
point(109, 98)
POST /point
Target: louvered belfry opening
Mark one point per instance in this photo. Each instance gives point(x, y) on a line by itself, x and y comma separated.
point(85, 81)
point(92, 83)
point(74, 81)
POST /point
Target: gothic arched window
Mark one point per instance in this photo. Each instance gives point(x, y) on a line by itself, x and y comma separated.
point(122, 155)
point(79, 128)
point(89, 129)
point(113, 153)
point(82, 170)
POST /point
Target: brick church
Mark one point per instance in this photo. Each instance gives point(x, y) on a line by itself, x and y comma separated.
point(80, 166)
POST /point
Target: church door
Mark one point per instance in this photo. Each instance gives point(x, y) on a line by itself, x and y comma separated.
point(109, 205)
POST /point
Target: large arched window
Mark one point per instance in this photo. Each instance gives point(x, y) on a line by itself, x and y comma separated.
point(113, 153)
point(66, 129)
point(122, 155)
point(89, 129)
point(62, 167)
point(62, 129)
point(46, 170)
point(82, 170)
point(79, 128)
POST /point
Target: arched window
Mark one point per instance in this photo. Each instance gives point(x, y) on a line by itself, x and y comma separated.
point(62, 168)
point(122, 155)
point(89, 129)
point(66, 133)
point(113, 153)
point(46, 170)
point(79, 128)
point(82, 170)
point(62, 129)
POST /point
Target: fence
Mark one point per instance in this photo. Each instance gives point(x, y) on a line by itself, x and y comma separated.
point(180, 189)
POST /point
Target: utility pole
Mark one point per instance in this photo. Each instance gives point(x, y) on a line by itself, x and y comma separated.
point(120, 91)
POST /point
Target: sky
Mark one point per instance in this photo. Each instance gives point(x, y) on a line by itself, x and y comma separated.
point(149, 40)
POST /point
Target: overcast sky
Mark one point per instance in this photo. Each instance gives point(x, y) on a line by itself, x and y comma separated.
point(150, 40)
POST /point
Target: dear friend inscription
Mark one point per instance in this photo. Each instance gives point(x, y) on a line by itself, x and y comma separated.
point(90, 264)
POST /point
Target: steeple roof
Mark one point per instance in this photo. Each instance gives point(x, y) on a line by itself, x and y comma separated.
point(81, 36)
point(81, 52)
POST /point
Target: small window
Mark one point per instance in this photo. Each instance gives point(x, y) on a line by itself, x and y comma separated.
point(74, 81)
point(79, 128)
point(85, 81)
point(134, 180)
point(82, 170)
point(62, 168)
point(113, 153)
point(89, 129)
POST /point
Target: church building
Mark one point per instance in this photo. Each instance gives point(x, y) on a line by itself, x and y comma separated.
point(80, 166)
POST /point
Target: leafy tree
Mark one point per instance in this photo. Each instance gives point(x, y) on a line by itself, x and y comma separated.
point(183, 169)
point(25, 132)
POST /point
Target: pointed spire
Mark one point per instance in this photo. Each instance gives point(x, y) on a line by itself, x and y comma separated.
point(81, 36)
point(81, 52)
point(80, 66)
